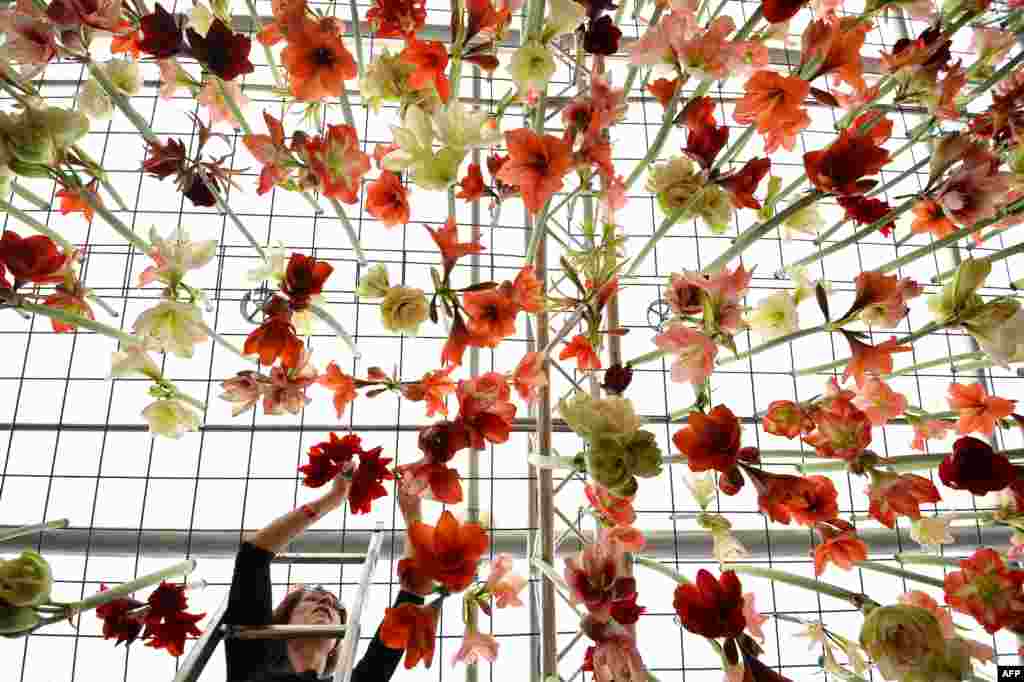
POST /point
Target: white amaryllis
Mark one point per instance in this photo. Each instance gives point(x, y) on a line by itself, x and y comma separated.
point(702, 487)
point(1005, 344)
point(174, 255)
point(931, 532)
point(125, 74)
point(775, 316)
point(431, 170)
point(170, 418)
point(563, 17)
point(460, 128)
point(131, 360)
point(273, 268)
point(805, 221)
point(172, 327)
point(532, 66)
point(374, 284)
point(94, 102)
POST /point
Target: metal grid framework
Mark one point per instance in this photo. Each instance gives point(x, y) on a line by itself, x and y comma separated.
point(73, 445)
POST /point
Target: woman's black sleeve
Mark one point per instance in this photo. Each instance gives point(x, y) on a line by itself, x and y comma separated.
point(379, 662)
point(249, 603)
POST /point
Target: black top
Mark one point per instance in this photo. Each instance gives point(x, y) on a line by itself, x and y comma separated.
point(250, 603)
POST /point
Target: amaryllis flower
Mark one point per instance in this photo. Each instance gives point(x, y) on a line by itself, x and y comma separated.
point(503, 585)
point(595, 577)
point(165, 601)
point(430, 59)
point(579, 347)
point(777, 11)
point(987, 590)
point(865, 211)
point(222, 51)
point(974, 466)
point(710, 441)
point(329, 458)
point(536, 165)
point(709, 607)
point(118, 622)
point(663, 90)
point(171, 633)
point(73, 201)
point(338, 162)
point(972, 193)
point(492, 316)
point(35, 259)
point(475, 646)
point(786, 418)
point(867, 359)
point(893, 495)
point(805, 499)
point(484, 408)
point(705, 138)
point(614, 658)
point(839, 545)
point(432, 389)
point(926, 429)
point(447, 241)
point(304, 278)
point(30, 38)
point(881, 300)
point(448, 552)
point(929, 218)
point(694, 353)
point(615, 509)
point(162, 34)
point(71, 300)
point(397, 18)
point(617, 379)
point(742, 184)
point(841, 430)
point(842, 166)
point(387, 200)
point(879, 402)
point(528, 377)
point(271, 151)
point(775, 103)
point(602, 36)
point(472, 187)
point(411, 627)
point(317, 62)
point(366, 480)
point(979, 412)
point(275, 338)
point(342, 385)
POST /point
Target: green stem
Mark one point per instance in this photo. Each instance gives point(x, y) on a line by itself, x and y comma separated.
point(899, 573)
point(991, 258)
point(667, 123)
point(36, 225)
point(936, 363)
point(101, 598)
point(996, 77)
point(633, 71)
point(33, 529)
point(97, 171)
point(900, 464)
point(30, 196)
point(656, 565)
point(926, 559)
point(80, 322)
point(236, 111)
point(227, 210)
point(786, 338)
point(857, 599)
point(853, 238)
point(554, 462)
point(227, 345)
point(121, 101)
point(267, 52)
point(646, 357)
point(758, 231)
point(357, 36)
point(909, 338)
point(346, 224)
point(735, 149)
point(198, 404)
point(539, 228)
point(337, 328)
point(97, 205)
point(666, 225)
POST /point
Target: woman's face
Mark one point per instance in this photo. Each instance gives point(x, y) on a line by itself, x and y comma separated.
point(316, 608)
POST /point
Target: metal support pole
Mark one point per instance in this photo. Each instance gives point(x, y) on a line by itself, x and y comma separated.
point(351, 641)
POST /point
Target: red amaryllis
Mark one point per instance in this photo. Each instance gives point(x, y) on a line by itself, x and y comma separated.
point(867, 359)
point(492, 315)
point(439, 443)
point(366, 481)
point(161, 34)
point(172, 632)
point(663, 90)
point(222, 51)
point(342, 385)
point(397, 18)
point(974, 466)
point(118, 623)
point(430, 59)
point(328, 458)
point(595, 577)
point(710, 441)
point(387, 200)
point(432, 389)
point(32, 259)
point(536, 165)
point(706, 138)
point(164, 159)
point(709, 607)
point(865, 211)
point(839, 545)
point(485, 409)
point(472, 186)
point(742, 184)
point(338, 162)
point(447, 241)
point(165, 601)
point(841, 430)
point(579, 347)
point(840, 168)
point(786, 418)
point(987, 590)
point(275, 338)
point(777, 11)
point(71, 300)
point(617, 510)
point(893, 495)
point(805, 499)
point(617, 379)
point(317, 62)
point(411, 627)
point(448, 552)
point(304, 278)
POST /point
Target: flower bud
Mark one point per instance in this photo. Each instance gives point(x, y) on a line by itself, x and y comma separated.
point(900, 637)
point(200, 18)
point(25, 581)
point(374, 284)
point(403, 309)
point(16, 619)
point(171, 418)
point(617, 379)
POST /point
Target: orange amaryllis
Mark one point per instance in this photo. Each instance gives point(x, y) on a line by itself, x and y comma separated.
point(528, 377)
point(840, 168)
point(387, 200)
point(447, 241)
point(432, 388)
point(870, 359)
point(430, 59)
point(275, 338)
point(663, 90)
point(271, 151)
point(317, 61)
point(472, 185)
point(979, 412)
point(834, 44)
point(492, 315)
point(784, 497)
point(536, 165)
point(338, 162)
point(710, 441)
point(342, 385)
point(892, 495)
point(527, 290)
point(742, 184)
point(412, 627)
point(881, 300)
point(775, 103)
point(72, 201)
point(485, 410)
point(931, 219)
point(839, 545)
point(581, 349)
point(448, 552)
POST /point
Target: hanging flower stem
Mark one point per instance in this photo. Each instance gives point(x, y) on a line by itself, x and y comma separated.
point(36, 225)
point(346, 224)
point(970, 366)
point(226, 210)
point(555, 462)
point(926, 559)
point(646, 357)
point(656, 565)
point(756, 232)
point(996, 77)
point(736, 147)
point(267, 52)
point(198, 404)
point(778, 341)
point(338, 329)
point(899, 573)
point(97, 171)
point(667, 123)
point(990, 259)
point(227, 345)
point(564, 331)
point(357, 36)
point(856, 599)
point(900, 464)
point(556, 580)
point(97, 205)
point(30, 196)
point(79, 322)
point(936, 363)
point(33, 529)
point(909, 338)
point(107, 596)
point(121, 101)
point(662, 230)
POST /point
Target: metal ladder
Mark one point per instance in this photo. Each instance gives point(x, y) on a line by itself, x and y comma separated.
point(216, 630)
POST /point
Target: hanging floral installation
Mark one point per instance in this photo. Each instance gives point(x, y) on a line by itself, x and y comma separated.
point(973, 113)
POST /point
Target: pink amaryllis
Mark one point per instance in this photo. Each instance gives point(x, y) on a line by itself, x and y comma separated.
point(475, 646)
point(694, 353)
point(595, 577)
point(879, 402)
point(503, 584)
point(528, 377)
point(987, 590)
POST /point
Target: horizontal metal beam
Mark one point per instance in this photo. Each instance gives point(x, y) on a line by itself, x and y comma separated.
point(282, 631)
point(689, 545)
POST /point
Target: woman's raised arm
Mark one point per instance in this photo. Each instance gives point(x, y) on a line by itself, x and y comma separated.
point(280, 532)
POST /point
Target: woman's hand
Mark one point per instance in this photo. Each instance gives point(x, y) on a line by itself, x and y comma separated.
point(340, 487)
point(409, 504)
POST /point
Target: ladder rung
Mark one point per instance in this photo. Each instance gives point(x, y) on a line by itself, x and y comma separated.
point(320, 558)
point(282, 631)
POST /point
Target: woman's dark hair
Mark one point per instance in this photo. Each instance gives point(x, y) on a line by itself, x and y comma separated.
point(283, 614)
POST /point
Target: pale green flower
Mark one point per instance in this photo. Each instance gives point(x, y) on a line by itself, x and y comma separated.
point(200, 18)
point(900, 637)
point(775, 316)
point(132, 360)
point(273, 268)
point(374, 284)
point(171, 418)
point(25, 581)
point(386, 80)
point(702, 487)
point(532, 66)
point(94, 102)
point(172, 327)
point(415, 139)
point(931, 532)
point(462, 129)
point(404, 309)
point(594, 417)
point(563, 17)
point(805, 222)
point(125, 74)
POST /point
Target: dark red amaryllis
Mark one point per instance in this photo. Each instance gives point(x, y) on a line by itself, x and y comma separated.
point(165, 158)
point(710, 441)
point(275, 338)
point(987, 590)
point(304, 278)
point(601, 36)
point(118, 622)
point(841, 167)
point(222, 51)
point(165, 601)
point(367, 481)
point(974, 466)
point(397, 18)
point(328, 458)
point(439, 442)
point(742, 184)
point(865, 211)
point(162, 35)
point(35, 259)
point(784, 497)
point(171, 633)
point(709, 607)
point(596, 579)
point(892, 495)
point(706, 138)
point(777, 11)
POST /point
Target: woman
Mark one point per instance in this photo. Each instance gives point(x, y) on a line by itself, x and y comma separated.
point(249, 603)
